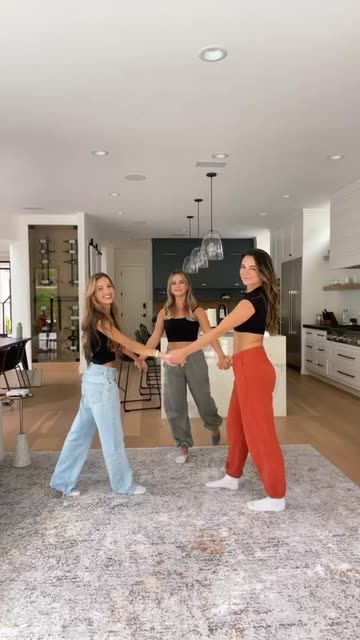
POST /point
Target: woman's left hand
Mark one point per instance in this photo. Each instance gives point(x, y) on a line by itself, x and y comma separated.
point(141, 364)
point(225, 362)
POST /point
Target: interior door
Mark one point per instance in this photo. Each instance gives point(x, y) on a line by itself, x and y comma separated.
point(132, 299)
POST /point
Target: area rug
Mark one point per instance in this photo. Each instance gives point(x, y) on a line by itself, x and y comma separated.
point(182, 561)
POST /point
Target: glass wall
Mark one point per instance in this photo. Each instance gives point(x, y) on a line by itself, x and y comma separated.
point(54, 292)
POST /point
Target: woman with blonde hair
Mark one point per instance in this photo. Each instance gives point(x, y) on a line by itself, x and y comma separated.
point(100, 404)
point(250, 420)
point(181, 318)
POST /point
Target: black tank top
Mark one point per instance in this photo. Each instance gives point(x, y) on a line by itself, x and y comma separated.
point(257, 322)
point(181, 329)
point(101, 354)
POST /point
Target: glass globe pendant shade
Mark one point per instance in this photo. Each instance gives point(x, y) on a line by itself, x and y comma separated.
point(188, 266)
point(202, 259)
point(195, 259)
point(212, 246)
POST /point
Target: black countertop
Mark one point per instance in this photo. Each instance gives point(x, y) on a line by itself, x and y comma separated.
point(340, 327)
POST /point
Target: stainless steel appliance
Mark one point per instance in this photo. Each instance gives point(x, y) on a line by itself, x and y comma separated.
point(351, 337)
point(290, 310)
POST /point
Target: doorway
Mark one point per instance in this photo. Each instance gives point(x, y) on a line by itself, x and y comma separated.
point(132, 297)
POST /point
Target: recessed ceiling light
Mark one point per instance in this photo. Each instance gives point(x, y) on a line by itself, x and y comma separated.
point(34, 208)
point(113, 195)
point(100, 153)
point(135, 177)
point(120, 213)
point(220, 156)
point(286, 195)
point(212, 54)
point(263, 213)
point(337, 156)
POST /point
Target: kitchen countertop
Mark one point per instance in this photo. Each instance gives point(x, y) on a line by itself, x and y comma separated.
point(340, 327)
point(221, 382)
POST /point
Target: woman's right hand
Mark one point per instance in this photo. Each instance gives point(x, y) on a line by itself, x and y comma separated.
point(167, 358)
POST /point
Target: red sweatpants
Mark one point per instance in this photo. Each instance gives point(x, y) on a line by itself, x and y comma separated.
point(250, 421)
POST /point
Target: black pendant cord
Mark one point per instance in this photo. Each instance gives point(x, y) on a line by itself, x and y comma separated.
point(198, 200)
point(211, 219)
point(189, 218)
point(211, 175)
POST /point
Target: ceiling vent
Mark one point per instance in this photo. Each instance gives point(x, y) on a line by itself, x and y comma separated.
point(211, 165)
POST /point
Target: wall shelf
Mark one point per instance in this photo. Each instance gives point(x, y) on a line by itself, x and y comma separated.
point(341, 287)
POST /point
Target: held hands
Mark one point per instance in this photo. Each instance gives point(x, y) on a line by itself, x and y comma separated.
point(177, 356)
point(224, 362)
point(140, 364)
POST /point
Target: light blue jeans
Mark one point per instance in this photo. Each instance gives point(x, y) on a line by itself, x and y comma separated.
point(99, 409)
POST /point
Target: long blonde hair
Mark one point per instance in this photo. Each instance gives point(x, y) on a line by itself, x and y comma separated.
point(190, 301)
point(267, 273)
point(93, 313)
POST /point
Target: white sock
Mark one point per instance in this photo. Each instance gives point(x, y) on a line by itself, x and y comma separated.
point(267, 504)
point(227, 482)
point(181, 459)
point(139, 490)
point(74, 493)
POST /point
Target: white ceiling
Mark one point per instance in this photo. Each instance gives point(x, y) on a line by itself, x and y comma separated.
point(124, 75)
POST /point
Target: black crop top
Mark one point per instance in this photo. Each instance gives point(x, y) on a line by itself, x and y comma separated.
point(181, 329)
point(257, 322)
point(101, 354)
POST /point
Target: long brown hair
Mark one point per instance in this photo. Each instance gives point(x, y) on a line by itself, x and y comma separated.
point(93, 313)
point(267, 274)
point(190, 301)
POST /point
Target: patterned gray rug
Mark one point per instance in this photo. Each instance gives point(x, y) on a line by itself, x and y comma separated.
point(182, 561)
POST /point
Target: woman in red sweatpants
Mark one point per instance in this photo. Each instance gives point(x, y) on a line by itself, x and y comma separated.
point(250, 421)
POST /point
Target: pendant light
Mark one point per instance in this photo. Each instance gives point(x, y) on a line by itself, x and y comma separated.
point(211, 244)
point(189, 266)
point(198, 256)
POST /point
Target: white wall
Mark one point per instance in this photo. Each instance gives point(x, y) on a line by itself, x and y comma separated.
point(263, 240)
point(316, 272)
point(4, 250)
point(108, 261)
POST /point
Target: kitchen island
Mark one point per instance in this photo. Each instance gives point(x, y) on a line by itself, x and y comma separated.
point(221, 382)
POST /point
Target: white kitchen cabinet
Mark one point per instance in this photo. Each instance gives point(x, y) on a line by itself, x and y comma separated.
point(316, 351)
point(276, 249)
point(337, 362)
point(345, 364)
point(345, 227)
point(292, 240)
point(286, 243)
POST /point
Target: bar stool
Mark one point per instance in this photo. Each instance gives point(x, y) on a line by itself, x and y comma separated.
point(13, 359)
point(149, 383)
point(22, 456)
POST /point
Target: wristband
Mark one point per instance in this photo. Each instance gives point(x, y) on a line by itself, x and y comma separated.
point(156, 353)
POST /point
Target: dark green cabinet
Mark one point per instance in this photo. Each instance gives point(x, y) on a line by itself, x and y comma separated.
point(222, 275)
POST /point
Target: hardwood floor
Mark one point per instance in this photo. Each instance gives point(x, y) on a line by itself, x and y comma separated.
point(318, 414)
